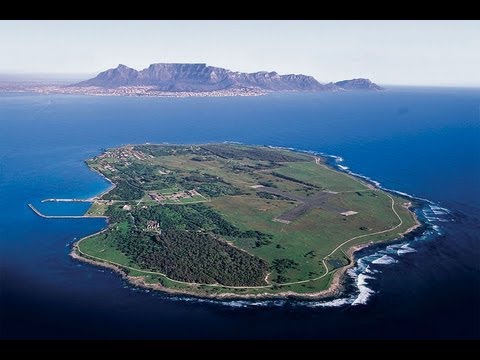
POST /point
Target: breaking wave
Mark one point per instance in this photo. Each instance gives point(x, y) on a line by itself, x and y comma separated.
point(364, 291)
point(385, 260)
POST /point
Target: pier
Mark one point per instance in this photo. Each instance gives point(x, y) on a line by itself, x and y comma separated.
point(67, 200)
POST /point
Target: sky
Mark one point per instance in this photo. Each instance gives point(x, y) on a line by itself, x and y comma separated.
point(445, 53)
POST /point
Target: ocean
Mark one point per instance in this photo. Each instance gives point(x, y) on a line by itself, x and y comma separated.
point(423, 142)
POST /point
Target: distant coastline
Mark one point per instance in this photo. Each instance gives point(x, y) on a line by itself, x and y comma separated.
point(129, 91)
point(174, 80)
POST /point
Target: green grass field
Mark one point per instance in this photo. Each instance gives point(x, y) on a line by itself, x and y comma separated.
point(322, 176)
point(295, 251)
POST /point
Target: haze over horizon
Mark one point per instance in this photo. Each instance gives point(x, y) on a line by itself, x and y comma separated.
point(441, 53)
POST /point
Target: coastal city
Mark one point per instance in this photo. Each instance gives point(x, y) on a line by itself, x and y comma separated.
point(145, 91)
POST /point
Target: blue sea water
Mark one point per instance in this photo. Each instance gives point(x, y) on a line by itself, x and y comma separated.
point(420, 141)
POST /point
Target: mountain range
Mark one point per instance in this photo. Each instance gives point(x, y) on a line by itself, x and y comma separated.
point(202, 78)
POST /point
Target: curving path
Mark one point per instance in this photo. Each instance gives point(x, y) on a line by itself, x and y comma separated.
point(251, 287)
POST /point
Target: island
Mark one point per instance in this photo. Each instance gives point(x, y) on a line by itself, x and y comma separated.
point(230, 220)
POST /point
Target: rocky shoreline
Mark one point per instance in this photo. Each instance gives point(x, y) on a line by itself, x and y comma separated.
point(335, 288)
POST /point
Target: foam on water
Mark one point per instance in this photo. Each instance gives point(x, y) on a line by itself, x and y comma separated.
point(384, 260)
point(368, 270)
point(364, 292)
point(405, 249)
point(332, 303)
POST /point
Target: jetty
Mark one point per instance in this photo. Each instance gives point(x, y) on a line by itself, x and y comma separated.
point(67, 200)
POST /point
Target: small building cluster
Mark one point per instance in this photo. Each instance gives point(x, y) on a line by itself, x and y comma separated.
point(160, 198)
point(153, 226)
point(124, 153)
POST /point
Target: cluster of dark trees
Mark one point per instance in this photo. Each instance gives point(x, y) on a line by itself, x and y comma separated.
point(268, 183)
point(281, 279)
point(202, 158)
point(310, 254)
point(137, 171)
point(116, 214)
point(189, 247)
point(148, 176)
point(210, 185)
point(198, 177)
point(281, 266)
point(270, 196)
point(168, 150)
point(281, 176)
point(193, 257)
point(143, 176)
point(194, 217)
point(132, 188)
point(227, 151)
point(124, 191)
point(251, 168)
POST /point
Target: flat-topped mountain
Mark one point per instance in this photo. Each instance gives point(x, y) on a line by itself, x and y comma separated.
point(200, 77)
